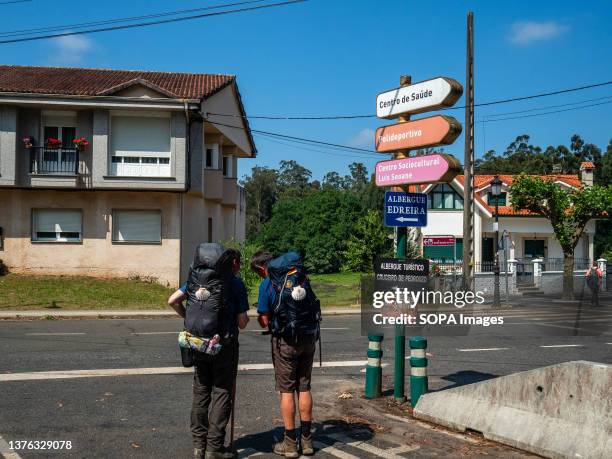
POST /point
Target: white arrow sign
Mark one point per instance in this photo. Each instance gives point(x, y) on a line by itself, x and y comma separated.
point(406, 219)
point(419, 97)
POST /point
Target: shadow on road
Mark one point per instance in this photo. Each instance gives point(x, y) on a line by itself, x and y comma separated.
point(264, 441)
point(461, 378)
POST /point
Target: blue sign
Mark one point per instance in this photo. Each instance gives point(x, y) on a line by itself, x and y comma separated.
point(405, 209)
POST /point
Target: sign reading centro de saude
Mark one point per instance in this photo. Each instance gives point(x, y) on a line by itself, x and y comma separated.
point(425, 132)
point(419, 97)
point(405, 209)
point(417, 170)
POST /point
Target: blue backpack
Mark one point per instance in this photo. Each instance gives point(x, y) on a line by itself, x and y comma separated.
point(297, 311)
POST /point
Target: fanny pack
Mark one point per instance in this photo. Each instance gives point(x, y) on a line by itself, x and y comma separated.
point(208, 346)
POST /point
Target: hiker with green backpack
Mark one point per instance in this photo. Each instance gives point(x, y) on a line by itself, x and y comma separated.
point(290, 310)
point(593, 279)
point(216, 308)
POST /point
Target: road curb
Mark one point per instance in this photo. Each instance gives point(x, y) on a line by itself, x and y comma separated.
point(129, 314)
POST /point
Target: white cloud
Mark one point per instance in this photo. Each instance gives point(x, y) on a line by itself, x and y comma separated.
point(526, 32)
point(363, 139)
point(70, 50)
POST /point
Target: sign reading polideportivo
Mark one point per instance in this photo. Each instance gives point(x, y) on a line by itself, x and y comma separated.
point(416, 170)
point(419, 97)
point(426, 132)
point(405, 209)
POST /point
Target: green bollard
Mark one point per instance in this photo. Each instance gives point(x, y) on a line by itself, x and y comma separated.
point(418, 368)
point(373, 383)
point(399, 364)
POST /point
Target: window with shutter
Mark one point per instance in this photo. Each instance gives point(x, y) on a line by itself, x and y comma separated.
point(137, 226)
point(140, 146)
point(56, 225)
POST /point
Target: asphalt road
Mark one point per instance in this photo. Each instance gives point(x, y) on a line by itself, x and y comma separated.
point(126, 413)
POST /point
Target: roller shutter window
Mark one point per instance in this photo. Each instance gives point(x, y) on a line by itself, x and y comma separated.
point(137, 226)
point(140, 146)
point(57, 225)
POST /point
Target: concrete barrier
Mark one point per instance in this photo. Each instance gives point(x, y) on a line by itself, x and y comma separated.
point(559, 411)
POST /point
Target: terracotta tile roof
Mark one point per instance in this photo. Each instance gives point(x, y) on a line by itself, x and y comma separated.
point(481, 181)
point(587, 165)
point(96, 82)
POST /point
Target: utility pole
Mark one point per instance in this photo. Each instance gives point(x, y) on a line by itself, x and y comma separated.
point(468, 161)
point(401, 243)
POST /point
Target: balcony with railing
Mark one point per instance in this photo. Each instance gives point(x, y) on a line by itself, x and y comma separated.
point(54, 161)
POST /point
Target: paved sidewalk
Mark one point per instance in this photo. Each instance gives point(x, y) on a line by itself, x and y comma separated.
point(109, 314)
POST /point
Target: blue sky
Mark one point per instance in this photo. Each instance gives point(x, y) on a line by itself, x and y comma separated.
point(327, 57)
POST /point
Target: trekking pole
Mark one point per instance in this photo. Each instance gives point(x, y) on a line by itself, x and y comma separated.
point(233, 402)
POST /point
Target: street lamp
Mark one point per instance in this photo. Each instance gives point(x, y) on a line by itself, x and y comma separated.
point(496, 189)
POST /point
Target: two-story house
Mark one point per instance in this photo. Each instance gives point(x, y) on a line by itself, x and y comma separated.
point(525, 235)
point(147, 179)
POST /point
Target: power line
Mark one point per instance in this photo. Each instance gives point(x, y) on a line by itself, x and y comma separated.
point(150, 23)
point(14, 1)
point(546, 113)
point(483, 104)
point(485, 117)
point(315, 150)
point(295, 138)
point(81, 25)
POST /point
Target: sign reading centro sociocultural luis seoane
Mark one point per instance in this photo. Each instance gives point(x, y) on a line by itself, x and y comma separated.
point(419, 97)
point(405, 209)
point(425, 132)
point(416, 170)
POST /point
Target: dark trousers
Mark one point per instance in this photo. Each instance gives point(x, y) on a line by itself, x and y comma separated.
point(595, 295)
point(213, 383)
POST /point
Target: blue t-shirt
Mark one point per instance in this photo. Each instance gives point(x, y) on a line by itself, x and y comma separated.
point(267, 296)
point(239, 301)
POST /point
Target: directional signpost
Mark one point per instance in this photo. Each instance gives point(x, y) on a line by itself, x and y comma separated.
point(405, 209)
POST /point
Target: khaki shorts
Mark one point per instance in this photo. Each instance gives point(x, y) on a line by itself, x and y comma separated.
point(292, 364)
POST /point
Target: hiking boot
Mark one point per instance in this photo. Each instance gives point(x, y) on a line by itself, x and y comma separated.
point(198, 453)
point(307, 448)
point(221, 454)
point(287, 448)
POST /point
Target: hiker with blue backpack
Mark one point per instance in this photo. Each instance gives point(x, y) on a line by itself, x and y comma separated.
point(216, 308)
point(290, 310)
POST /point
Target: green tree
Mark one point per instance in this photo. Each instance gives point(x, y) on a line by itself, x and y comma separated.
point(261, 190)
point(316, 226)
point(293, 179)
point(334, 180)
point(568, 211)
point(368, 239)
point(358, 179)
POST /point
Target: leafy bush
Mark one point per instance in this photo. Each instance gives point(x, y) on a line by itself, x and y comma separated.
point(3, 268)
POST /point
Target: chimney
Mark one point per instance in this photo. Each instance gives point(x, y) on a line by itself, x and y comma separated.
point(586, 173)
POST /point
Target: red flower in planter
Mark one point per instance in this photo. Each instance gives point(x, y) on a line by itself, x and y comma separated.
point(53, 143)
point(81, 143)
point(28, 141)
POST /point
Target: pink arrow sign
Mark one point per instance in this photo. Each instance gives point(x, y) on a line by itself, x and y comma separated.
point(415, 170)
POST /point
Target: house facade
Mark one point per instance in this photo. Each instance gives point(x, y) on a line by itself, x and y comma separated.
point(526, 236)
point(148, 178)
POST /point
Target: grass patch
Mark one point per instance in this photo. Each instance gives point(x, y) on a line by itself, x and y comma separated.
point(56, 293)
point(338, 290)
point(24, 292)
